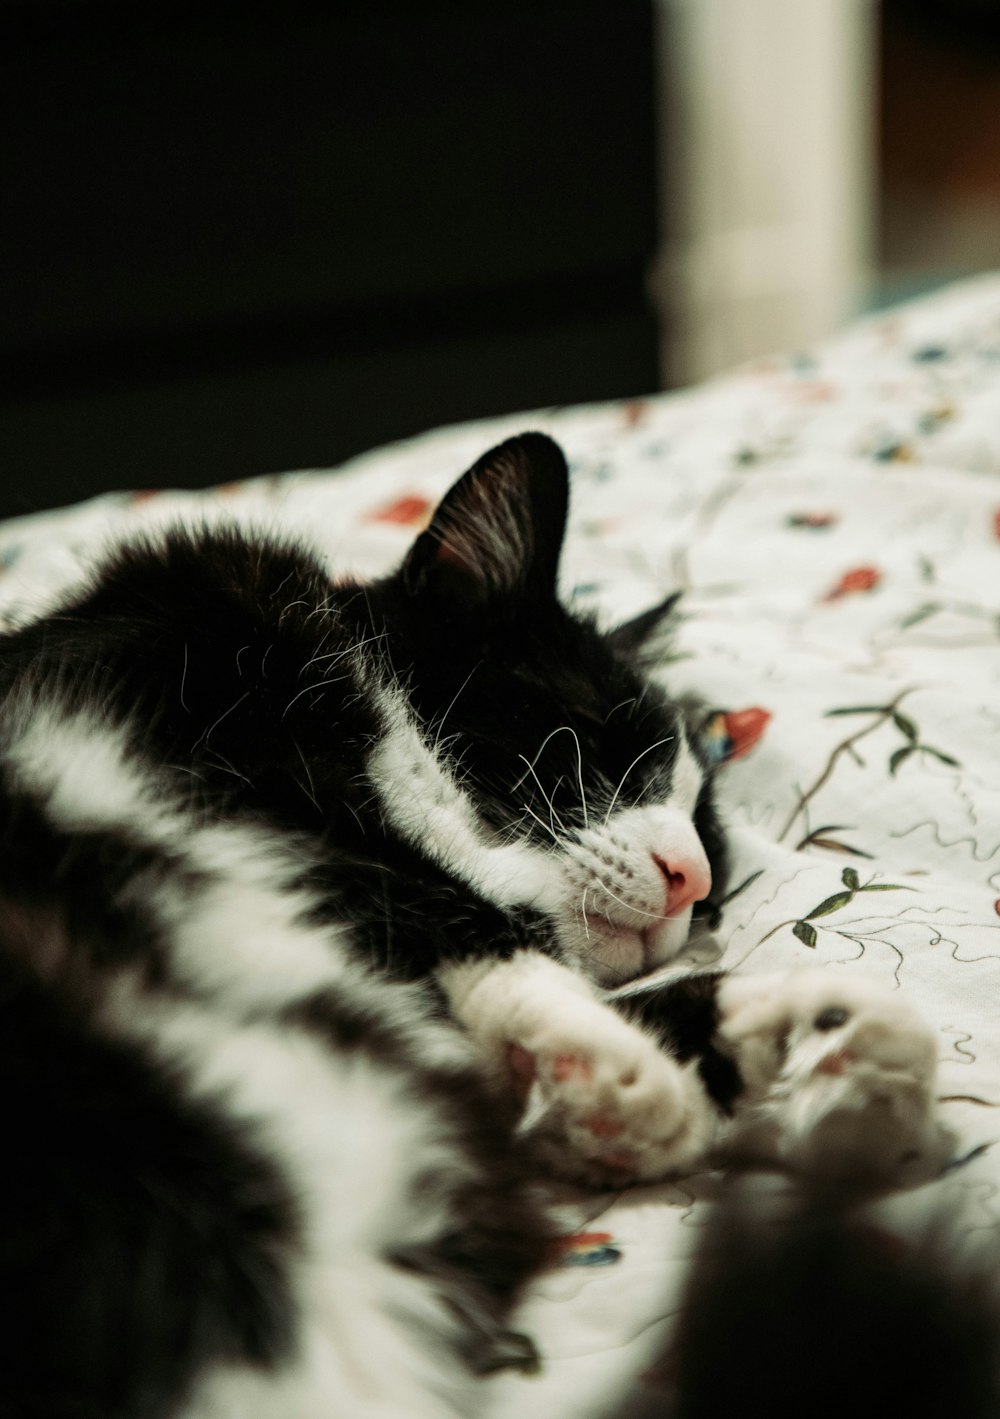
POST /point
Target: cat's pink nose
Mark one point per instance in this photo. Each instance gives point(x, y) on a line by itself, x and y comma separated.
point(688, 880)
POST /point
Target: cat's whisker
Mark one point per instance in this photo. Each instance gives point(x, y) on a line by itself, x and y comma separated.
point(583, 913)
point(618, 706)
point(319, 685)
point(311, 791)
point(184, 672)
point(545, 797)
point(541, 822)
point(299, 784)
point(555, 790)
point(648, 750)
point(514, 833)
point(212, 727)
point(654, 916)
point(541, 751)
point(451, 706)
point(579, 773)
point(336, 655)
point(187, 769)
point(227, 766)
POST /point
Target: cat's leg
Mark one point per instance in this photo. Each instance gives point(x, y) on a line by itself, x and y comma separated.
point(605, 1103)
point(840, 1073)
point(821, 1071)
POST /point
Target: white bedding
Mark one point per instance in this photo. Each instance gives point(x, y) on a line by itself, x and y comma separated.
point(834, 519)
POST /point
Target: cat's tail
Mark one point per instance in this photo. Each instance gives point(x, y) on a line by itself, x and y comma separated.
point(826, 1312)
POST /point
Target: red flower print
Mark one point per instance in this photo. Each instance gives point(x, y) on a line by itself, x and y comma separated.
point(408, 511)
point(729, 734)
point(585, 1249)
point(814, 520)
point(745, 729)
point(858, 579)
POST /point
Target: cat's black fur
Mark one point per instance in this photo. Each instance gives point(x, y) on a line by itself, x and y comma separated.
point(806, 1308)
point(683, 1014)
point(149, 1233)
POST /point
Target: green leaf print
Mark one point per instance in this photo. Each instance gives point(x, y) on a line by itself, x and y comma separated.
point(905, 726)
point(831, 904)
point(899, 757)
point(944, 758)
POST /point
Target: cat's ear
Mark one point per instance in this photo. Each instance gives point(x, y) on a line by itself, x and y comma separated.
point(499, 531)
point(647, 635)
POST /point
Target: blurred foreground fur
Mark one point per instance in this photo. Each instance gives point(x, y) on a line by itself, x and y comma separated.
point(821, 1311)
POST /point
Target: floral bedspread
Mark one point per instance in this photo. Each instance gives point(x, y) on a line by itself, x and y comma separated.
point(834, 519)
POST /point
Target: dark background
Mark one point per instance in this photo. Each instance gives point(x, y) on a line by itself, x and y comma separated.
point(242, 238)
point(939, 142)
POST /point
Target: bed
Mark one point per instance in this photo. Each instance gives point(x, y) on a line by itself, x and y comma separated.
point(833, 518)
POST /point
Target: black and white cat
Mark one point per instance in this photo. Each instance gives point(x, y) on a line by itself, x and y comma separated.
point(267, 838)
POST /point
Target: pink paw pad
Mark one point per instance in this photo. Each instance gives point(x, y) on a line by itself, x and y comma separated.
point(837, 1063)
point(570, 1066)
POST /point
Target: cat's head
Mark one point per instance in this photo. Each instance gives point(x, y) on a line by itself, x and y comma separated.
point(554, 726)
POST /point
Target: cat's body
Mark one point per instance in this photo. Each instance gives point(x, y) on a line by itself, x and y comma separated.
point(261, 833)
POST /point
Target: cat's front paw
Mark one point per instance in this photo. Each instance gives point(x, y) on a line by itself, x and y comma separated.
point(840, 1073)
point(604, 1104)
